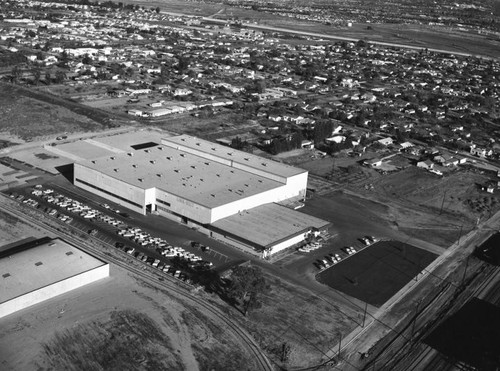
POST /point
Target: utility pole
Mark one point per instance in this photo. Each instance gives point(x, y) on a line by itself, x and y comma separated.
point(340, 344)
point(465, 270)
point(442, 203)
point(460, 235)
point(364, 314)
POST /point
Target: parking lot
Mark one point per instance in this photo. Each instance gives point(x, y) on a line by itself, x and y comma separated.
point(116, 227)
point(377, 272)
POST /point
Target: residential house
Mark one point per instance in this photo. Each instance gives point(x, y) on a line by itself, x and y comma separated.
point(427, 164)
point(480, 152)
point(373, 162)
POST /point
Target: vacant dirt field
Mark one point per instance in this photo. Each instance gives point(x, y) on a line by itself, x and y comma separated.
point(13, 230)
point(294, 316)
point(25, 118)
point(118, 323)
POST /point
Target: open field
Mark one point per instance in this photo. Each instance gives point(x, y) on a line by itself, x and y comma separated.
point(125, 324)
point(295, 316)
point(13, 230)
point(40, 120)
point(378, 272)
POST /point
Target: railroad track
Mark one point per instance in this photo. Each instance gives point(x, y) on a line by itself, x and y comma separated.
point(417, 355)
point(150, 276)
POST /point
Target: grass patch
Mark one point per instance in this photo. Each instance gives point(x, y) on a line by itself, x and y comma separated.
point(302, 321)
point(128, 341)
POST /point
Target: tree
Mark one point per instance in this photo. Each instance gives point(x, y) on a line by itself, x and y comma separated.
point(36, 75)
point(60, 76)
point(247, 284)
point(15, 74)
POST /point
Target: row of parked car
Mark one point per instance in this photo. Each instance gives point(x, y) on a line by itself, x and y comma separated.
point(332, 259)
point(154, 262)
point(33, 203)
point(135, 234)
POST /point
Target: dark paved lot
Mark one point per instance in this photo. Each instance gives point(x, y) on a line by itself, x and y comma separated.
point(489, 251)
point(376, 273)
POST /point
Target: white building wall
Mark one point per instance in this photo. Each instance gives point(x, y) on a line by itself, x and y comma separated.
point(296, 185)
point(114, 186)
point(58, 288)
point(292, 241)
point(186, 208)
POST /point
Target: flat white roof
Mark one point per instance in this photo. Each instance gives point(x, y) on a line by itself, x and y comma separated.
point(40, 266)
point(82, 150)
point(268, 224)
point(188, 176)
point(234, 155)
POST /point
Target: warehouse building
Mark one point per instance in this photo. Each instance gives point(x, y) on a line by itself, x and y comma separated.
point(39, 270)
point(190, 180)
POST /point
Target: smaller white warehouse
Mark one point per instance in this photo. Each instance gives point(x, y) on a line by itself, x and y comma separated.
point(42, 269)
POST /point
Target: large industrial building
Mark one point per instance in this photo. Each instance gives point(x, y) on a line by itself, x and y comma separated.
point(39, 270)
point(196, 182)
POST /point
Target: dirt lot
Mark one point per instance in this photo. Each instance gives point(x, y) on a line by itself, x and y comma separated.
point(294, 316)
point(118, 321)
point(13, 230)
point(24, 118)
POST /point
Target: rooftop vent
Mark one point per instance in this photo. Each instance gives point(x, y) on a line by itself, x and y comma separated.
point(169, 158)
point(213, 148)
point(246, 159)
point(134, 165)
point(140, 179)
point(212, 195)
point(112, 157)
point(176, 170)
point(230, 153)
point(183, 139)
point(198, 144)
point(246, 185)
point(93, 161)
point(153, 161)
point(260, 181)
point(183, 155)
point(201, 180)
point(69, 253)
point(147, 150)
point(207, 163)
point(218, 175)
point(116, 170)
point(230, 190)
point(194, 167)
point(264, 164)
point(130, 154)
point(159, 175)
point(8, 274)
point(160, 148)
point(38, 263)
